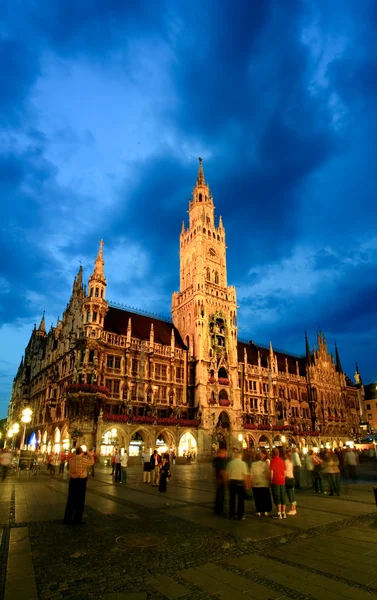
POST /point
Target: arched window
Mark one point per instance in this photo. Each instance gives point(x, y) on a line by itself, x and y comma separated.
point(208, 274)
point(88, 316)
point(209, 234)
point(204, 230)
point(91, 292)
point(200, 198)
point(183, 322)
point(97, 293)
point(216, 277)
point(189, 319)
point(101, 293)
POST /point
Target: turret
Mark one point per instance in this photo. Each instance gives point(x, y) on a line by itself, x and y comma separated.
point(95, 306)
point(338, 365)
point(41, 331)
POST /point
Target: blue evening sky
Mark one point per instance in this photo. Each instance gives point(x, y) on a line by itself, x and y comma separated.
point(105, 106)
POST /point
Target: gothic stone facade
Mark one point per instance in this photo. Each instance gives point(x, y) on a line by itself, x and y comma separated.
point(105, 369)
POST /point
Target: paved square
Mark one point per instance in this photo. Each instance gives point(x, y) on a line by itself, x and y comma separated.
point(138, 544)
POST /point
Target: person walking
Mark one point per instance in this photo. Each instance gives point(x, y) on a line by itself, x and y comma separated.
point(296, 468)
point(155, 467)
point(237, 475)
point(94, 455)
point(63, 457)
point(333, 472)
point(277, 468)
point(78, 477)
point(290, 482)
point(261, 481)
point(146, 456)
point(124, 465)
point(351, 461)
point(5, 460)
point(118, 467)
point(113, 462)
point(317, 473)
point(219, 470)
point(164, 474)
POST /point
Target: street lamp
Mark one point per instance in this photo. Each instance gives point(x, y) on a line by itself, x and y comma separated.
point(26, 418)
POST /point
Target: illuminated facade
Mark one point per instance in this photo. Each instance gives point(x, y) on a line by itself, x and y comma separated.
point(107, 376)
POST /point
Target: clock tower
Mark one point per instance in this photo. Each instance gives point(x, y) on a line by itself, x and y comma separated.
point(205, 313)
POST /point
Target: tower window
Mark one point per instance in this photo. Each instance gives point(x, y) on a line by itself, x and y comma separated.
point(218, 238)
point(200, 198)
point(95, 317)
point(101, 293)
point(214, 236)
point(216, 277)
point(208, 276)
point(204, 230)
point(97, 293)
point(91, 292)
point(88, 316)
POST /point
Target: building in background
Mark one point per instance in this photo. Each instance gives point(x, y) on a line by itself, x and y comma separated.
point(370, 403)
point(109, 376)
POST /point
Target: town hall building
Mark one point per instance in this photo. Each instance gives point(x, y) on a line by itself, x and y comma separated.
point(108, 376)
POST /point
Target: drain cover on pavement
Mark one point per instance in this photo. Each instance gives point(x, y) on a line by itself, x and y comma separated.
point(140, 541)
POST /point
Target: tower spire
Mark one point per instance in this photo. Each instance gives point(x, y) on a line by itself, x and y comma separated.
point(42, 326)
point(338, 365)
point(307, 349)
point(200, 180)
point(99, 272)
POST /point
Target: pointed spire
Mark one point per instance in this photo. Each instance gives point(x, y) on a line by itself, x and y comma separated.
point(200, 180)
point(99, 264)
point(172, 342)
point(221, 226)
point(22, 363)
point(42, 326)
point(151, 336)
point(79, 277)
point(307, 350)
point(338, 365)
point(128, 339)
point(183, 227)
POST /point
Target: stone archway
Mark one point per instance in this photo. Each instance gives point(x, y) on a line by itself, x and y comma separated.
point(165, 442)
point(187, 444)
point(249, 441)
point(264, 441)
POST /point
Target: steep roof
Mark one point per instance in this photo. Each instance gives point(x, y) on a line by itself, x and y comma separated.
point(252, 350)
point(116, 321)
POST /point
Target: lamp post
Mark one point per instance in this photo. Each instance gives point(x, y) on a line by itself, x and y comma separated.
point(26, 418)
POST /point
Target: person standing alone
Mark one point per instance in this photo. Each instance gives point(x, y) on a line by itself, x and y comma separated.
point(155, 466)
point(118, 467)
point(78, 477)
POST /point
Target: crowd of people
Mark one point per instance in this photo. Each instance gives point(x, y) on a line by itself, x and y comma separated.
point(274, 478)
point(156, 467)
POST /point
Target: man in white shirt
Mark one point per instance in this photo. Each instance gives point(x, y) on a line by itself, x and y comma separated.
point(296, 468)
point(124, 465)
point(237, 474)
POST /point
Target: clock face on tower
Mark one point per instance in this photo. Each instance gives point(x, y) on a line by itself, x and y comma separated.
point(212, 252)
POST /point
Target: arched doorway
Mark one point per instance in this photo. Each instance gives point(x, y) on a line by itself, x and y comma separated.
point(264, 442)
point(57, 441)
point(109, 442)
point(248, 442)
point(137, 444)
point(187, 444)
point(222, 432)
point(165, 443)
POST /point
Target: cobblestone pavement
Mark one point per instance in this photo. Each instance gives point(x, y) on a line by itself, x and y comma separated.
point(138, 545)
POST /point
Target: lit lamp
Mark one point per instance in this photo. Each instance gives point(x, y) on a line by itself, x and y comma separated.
point(283, 439)
point(26, 418)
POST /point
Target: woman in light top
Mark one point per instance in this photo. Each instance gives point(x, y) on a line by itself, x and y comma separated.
point(290, 482)
point(260, 480)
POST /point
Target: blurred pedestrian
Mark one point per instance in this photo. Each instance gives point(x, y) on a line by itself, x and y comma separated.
point(290, 482)
point(237, 475)
point(219, 470)
point(296, 468)
point(118, 469)
point(351, 461)
point(5, 460)
point(260, 482)
point(124, 465)
point(63, 458)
